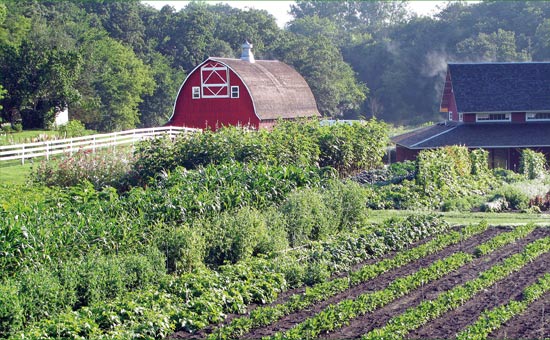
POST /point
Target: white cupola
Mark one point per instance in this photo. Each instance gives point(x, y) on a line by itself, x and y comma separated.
point(247, 53)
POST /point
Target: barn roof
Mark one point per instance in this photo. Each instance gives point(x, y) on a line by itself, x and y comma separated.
point(277, 90)
point(497, 87)
point(485, 135)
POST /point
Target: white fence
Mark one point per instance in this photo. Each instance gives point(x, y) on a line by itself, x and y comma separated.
point(70, 145)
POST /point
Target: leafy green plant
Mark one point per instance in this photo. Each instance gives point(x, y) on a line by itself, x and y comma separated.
point(532, 164)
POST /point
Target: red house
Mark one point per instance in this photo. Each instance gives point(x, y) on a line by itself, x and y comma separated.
point(501, 107)
point(245, 92)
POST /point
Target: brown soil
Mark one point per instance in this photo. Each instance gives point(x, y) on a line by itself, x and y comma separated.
point(380, 317)
point(533, 324)
point(508, 289)
point(284, 296)
point(376, 284)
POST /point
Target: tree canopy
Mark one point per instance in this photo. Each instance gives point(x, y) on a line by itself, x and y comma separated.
point(119, 64)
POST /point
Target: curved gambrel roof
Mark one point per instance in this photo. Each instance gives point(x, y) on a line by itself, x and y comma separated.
point(277, 90)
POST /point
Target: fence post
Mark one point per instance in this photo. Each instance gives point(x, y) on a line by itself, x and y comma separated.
point(23, 155)
point(48, 151)
point(93, 145)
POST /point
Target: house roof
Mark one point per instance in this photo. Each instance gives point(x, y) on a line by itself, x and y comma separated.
point(498, 87)
point(277, 90)
point(482, 135)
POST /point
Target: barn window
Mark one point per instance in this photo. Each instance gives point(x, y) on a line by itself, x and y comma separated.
point(460, 116)
point(234, 92)
point(538, 116)
point(196, 92)
point(215, 80)
point(493, 117)
point(450, 115)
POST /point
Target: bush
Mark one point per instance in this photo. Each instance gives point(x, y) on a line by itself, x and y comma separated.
point(308, 217)
point(516, 199)
point(532, 164)
point(101, 168)
point(184, 247)
point(73, 128)
point(234, 235)
point(463, 204)
point(348, 201)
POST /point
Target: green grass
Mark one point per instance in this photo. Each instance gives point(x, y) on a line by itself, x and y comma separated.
point(464, 218)
point(12, 172)
point(23, 136)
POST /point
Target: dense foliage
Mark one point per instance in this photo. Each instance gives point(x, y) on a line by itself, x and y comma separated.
point(119, 64)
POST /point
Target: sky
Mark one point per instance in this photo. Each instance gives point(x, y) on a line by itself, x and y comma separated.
point(280, 9)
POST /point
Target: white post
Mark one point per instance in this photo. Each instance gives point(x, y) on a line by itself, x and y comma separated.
point(23, 155)
point(93, 144)
point(48, 151)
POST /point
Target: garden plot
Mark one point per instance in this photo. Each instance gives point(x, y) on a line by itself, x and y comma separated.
point(509, 259)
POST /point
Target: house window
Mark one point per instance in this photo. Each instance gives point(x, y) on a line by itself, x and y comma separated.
point(538, 116)
point(460, 117)
point(493, 117)
point(196, 92)
point(234, 92)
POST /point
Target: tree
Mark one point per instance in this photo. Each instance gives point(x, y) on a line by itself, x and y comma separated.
point(332, 81)
point(39, 79)
point(497, 46)
point(112, 84)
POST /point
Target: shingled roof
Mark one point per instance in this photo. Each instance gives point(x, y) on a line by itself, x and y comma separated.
point(478, 136)
point(497, 87)
point(277, 90)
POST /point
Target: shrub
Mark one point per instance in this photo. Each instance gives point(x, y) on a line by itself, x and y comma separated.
point(183, 246)
point(308, 217)
point(234, 235)
point(532, 164)
point(348, 201)
point(101, 168)
point(73, 128)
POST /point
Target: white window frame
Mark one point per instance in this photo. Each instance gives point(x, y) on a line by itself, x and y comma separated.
point(534, 114)
point(450, 115)
point(460, 117)
point(508, 117)
point(235, 92)
point(196, 92)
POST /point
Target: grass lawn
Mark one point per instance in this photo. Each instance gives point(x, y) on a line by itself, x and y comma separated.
point(464, 218)
point(12, 172)
point(23, 136)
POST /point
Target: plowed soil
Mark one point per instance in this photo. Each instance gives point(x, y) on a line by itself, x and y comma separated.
point(533, 324)
point(380, 317)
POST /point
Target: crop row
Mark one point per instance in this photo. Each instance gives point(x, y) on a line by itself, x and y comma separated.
point(491, 320)
point(192, 301)
point(399, 326)
point(339, 315)
point(265, 315)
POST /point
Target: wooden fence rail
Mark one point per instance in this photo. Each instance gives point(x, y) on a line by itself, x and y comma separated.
point(70, 145)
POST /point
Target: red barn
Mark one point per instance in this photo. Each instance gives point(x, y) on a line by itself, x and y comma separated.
point(500, 107)
point(245, 92)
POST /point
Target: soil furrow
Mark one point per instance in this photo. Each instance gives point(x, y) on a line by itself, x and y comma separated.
point(376, 284)
point(533, 324)
point(508, 289)
point(379, 318)
point(284, 296)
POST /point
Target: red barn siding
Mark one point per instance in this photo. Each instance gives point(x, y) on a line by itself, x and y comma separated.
point(518, 117)
point(213, 112)
point(469, 118)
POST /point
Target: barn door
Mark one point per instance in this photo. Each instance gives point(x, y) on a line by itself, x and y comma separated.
point(214, 80)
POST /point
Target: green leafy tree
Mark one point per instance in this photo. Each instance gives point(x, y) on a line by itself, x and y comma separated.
point(332, 81)
point(112, 84)
point(497, 46)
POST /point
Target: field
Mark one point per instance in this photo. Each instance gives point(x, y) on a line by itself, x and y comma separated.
point(438, 295)
point(203, 237)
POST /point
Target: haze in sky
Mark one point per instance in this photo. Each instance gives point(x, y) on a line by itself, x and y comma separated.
point(280, 9)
